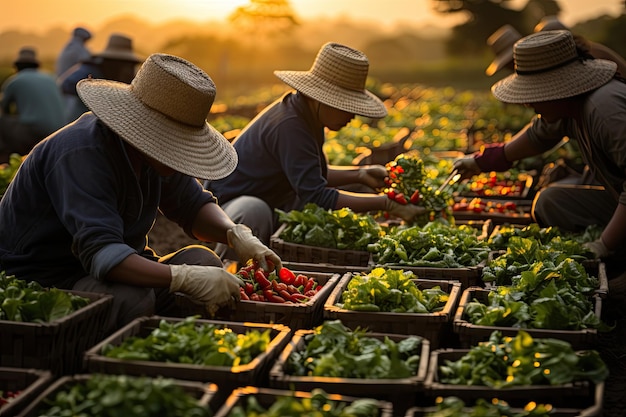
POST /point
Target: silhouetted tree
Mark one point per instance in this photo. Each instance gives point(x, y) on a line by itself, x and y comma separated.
point(265, 17)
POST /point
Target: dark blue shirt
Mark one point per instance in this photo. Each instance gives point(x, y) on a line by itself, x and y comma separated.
point(281, 159)
point(76, 207)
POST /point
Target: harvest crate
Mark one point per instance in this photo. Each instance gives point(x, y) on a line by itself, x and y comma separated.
point(295, 316)
point(29, 383)
point(56, 346)
point(267, 396)
point(204, 392)
point(295, 252)
point(468, 277)
point(436, 327)
point(252, 373)
point(470, 334)
point(522, 218)
point(321, 267)
point(577, 395)
point(401, 392)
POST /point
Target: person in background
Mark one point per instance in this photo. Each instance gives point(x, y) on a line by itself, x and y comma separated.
point(576, 96)
point(78, 212)
point(281, 159)
point(31, 106)
point(74, 51)
point(117, 62)
point(501, 43)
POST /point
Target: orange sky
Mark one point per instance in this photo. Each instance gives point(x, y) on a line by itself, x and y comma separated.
point(38, 15)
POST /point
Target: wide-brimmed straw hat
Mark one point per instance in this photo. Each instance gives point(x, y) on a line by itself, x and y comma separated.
point(119, 47)
point(337, 78)
point(26, 55)
point(547, 67)
point(163, 114)
point(501, 42)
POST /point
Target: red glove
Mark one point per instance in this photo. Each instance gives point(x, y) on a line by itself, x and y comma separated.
point(492, 158)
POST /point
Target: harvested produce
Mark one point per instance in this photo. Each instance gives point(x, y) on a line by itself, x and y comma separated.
point(456, 407)
point(286, 287)
point(393, 291)
point(189, 342)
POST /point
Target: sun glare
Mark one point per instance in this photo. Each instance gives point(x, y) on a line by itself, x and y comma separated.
point(201, 9)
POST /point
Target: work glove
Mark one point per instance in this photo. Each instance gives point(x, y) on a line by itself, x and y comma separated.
point(247, 246)
point(467, 167)
point(598, 248)
point(373, 176)
point(406, 212)
point(210, 285)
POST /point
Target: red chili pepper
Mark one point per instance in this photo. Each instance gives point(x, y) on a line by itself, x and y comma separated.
point(285, 294)
point(249, 288)
point(299, 297)
point(400, 198)
point(286, 275)
point(309, 285)
point(300, 280)
point(270, 296)
point(243, 294)
point(415, 197)
point(255, 297)
point(391, 194)
point(260, 277)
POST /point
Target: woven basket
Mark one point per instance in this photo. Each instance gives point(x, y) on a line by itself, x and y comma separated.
point(28, 382)
point(57, 346)
point(435, 327)
point(295, 252)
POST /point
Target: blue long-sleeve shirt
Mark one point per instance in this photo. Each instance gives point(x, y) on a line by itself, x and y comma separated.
point(76, 206)
point(281, 159)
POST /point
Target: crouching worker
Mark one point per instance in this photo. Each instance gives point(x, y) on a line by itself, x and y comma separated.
point(78, 212)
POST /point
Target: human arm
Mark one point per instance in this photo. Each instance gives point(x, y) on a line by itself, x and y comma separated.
point(371, 175)
point(362, 202)
point(613, 235)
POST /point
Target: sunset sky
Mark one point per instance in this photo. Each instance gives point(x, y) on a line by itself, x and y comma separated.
point(35, 15)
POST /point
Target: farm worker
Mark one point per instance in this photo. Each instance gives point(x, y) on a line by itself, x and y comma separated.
point(281, 160)
point(501, 43)
point(574, 96)
point(78, 212)
point(117, 62)
point(74, 51)
point(31, 106)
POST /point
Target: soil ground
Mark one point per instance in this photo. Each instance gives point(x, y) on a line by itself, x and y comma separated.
point(167, 236)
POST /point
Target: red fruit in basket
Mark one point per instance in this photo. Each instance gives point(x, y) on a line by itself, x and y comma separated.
point(391, 194)
point(286, 275)
point(415, 197)
point(300, 280)
point(260, 277)
point(400, 198)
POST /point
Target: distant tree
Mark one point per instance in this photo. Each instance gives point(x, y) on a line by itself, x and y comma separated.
point(485, 16)
point(265, 17)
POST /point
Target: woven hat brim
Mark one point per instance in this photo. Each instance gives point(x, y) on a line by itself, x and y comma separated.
point(201, 152)
point(363, 103)
point(499, 62)
point(568, 81)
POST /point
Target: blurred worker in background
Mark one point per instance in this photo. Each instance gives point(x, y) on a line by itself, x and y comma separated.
point(281, 159)
point(78, 212)
point(580, 97)
point(31, 106)
point(117, 62)
point(74, 51)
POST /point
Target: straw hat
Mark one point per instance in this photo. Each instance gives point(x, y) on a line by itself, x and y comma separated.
point(501, 43)
point(26, 55)
point(547, 67)
point(163, 114)
point(550, 23)
point(119, 47)
point(337, 79)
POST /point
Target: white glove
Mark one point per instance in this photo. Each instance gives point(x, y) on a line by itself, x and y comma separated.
point(247, 246)
point(211, 285)
point(373, 176)
point(406, 212)
point(467, 167)
point(598, 248)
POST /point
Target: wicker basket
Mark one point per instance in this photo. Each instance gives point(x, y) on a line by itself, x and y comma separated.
point(578, 395)
point(204, 392)
point(57, 346)
point(470, 334)
point(435, 327)
point(28, 382)
point(402, 392)
point(267, 396)
point(252, 373)
point(295, 252)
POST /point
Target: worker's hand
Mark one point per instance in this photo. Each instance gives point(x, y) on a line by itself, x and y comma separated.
point(406, 212)
point(373, 176)
point(467, 167)
point(211, 285)
point(598, 248)
point(247, 246)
